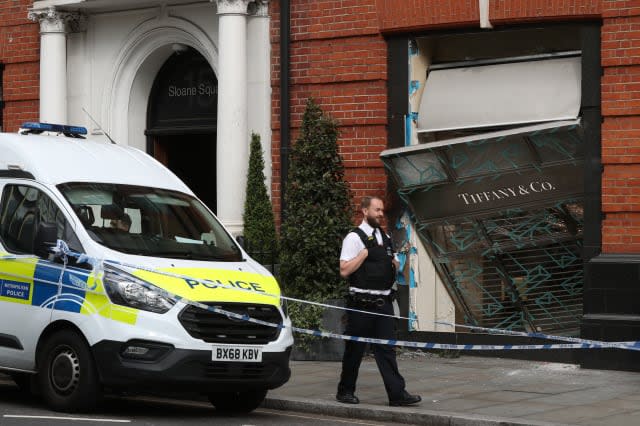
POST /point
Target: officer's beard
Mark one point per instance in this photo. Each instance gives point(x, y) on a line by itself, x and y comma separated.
point(373, 222)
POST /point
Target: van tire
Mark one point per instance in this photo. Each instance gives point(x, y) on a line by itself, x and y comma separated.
point(237, 402)
point(67, 375)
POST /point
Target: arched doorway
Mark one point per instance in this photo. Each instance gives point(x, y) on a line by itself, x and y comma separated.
point(181, 121)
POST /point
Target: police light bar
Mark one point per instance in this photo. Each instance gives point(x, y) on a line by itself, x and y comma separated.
point(74, 131)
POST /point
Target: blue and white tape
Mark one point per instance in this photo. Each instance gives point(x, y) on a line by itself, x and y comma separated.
point(572, 342)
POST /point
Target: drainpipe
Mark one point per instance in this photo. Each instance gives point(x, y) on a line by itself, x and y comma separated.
point(285, 30)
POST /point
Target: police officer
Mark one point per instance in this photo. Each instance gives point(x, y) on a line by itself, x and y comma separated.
point(122, 224)
point(368, 261)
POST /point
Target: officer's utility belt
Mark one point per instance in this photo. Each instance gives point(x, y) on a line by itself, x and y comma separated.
point(366, 299)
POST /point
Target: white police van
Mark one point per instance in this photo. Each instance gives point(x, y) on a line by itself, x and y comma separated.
point(161, 297)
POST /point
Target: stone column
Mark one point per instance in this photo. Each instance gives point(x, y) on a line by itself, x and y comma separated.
point(232, 137)
point(259, 78)
point(53, 63)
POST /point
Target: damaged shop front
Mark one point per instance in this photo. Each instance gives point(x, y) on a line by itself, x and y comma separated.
point(493, 176)
point(501, 217)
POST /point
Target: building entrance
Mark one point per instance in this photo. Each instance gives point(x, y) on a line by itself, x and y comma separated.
point(181, 121)
point(193, 159)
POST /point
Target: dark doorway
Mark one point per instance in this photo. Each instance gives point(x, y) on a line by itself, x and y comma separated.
point(181, 122)
point(193, 159)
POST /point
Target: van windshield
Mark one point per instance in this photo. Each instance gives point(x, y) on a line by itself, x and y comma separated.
point(150, 222)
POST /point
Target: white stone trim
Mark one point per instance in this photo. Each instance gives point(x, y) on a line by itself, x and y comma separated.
point(151, 39)
point(232, 7)
point(51, 21)
point(259, 83)
point(54, 21)
point(483, 6)
point(53, 64)
point(232, 132)
point(259, 8)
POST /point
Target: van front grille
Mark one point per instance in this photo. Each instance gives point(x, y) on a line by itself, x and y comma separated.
point(213, 327)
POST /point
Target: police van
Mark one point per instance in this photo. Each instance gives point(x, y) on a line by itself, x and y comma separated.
point(114, 276)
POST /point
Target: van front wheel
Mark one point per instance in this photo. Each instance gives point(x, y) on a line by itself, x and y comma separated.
point(67, 374)
point(237, 402)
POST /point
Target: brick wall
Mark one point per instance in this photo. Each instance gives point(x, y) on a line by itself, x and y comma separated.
point(437, 14)
point(621, 126)
point(19, 52)
point(338, 57)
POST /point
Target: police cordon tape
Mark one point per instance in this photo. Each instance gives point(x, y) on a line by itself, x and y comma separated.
point(580, 343)
point(63, 251)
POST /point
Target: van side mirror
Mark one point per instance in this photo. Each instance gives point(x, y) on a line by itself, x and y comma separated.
point(241, 241)
point(46, 237)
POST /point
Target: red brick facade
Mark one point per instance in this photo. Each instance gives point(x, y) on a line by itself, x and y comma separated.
point(20, 54)
point(338, 56)
point(621, 126)
point(438, 14)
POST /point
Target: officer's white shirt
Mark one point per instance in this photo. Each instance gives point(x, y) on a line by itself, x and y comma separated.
point(352, 245)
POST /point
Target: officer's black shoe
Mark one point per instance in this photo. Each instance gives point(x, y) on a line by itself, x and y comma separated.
point(405, 399)
point(347, 398)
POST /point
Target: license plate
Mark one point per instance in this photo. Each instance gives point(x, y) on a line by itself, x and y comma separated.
point(236, 353)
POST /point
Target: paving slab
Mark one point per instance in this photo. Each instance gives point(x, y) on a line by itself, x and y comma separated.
point(471, 390)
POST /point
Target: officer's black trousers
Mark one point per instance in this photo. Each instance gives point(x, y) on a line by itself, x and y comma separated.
point(375, 326)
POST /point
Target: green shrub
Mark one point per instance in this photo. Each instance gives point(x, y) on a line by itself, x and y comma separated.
point(318, 217)
point(259, 223)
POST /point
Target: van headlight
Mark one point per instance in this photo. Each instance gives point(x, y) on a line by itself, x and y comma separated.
point(127, 290)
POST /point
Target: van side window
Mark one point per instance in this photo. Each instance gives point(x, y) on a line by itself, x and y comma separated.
point(22, 209)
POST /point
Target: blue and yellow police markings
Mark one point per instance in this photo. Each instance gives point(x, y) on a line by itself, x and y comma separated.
point(37, 282)
point(32, 281)
point(46, 279)
point(58, 287)
point(97, 301)
point(14, 289)
point(82, 292)
point(28, 280)
point(203, 284)
point(16, 279)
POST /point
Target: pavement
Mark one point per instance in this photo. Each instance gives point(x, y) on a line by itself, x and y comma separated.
point(470, 390)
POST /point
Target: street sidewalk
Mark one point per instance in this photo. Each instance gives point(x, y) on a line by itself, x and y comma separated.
point(470, 390)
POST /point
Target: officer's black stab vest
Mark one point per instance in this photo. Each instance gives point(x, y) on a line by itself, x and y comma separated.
point(377, 272)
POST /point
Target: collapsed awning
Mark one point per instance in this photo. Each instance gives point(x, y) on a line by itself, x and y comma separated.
point(501, 216)
point(485, 154)
point(501, 94)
